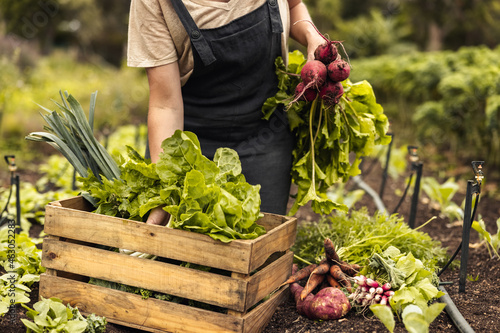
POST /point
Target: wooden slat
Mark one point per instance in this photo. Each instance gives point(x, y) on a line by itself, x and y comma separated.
point(243, 256)
point(268, 279)
point(166, 278)
point(130, 309)
point(278, 239)
point(257, 319)
point(158, 240)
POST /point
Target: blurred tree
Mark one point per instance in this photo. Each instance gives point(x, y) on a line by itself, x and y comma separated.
point(449, 24)
point(94, 27)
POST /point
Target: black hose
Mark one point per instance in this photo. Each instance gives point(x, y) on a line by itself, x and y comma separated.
point(456, 317)
point(404, 194)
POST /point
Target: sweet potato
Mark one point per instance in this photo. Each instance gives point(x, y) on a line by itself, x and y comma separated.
point(329, 304)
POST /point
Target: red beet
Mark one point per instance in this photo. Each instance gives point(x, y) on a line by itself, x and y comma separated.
point(326, 52)
point(331, 92)
point(313, 74)
point(303, 94)
point(339, 70)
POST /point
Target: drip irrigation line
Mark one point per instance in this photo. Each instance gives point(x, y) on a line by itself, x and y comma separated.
point(376, 198)
point(456, 317)
point(460, 245)
point(404, 194)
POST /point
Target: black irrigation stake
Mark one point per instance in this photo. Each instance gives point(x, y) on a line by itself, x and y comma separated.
point(14, 181)
point(473, 187)
point(416, 166)
point(386, 168)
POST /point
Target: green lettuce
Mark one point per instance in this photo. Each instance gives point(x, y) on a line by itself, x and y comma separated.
point(202, 195)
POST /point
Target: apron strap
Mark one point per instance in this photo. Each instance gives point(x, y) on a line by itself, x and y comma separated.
point(199, 42)
point(274, 12)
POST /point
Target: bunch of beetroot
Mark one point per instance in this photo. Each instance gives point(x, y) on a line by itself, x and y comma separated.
point(323, 76)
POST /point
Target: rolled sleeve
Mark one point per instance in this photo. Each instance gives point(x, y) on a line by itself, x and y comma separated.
point(150, 43)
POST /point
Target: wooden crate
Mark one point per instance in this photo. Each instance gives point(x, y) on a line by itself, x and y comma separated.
point(245, 271)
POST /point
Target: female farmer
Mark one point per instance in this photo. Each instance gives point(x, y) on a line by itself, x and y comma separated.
point(210, 67)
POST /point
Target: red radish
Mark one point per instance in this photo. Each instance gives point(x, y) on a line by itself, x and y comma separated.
point(302, 94)
point(386, 286)
point(372, 283)
point(331, 92)
point(389, 293)
point(326, 52)
point(339, 70)
point(360, 280)
point(383, 300)
point(313, 74)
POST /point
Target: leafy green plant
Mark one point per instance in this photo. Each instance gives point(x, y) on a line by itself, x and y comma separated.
point(330, 141)
point(358, 235)
point(492, 241)
point(441, 195)
point(414, 287)
point(21, 269)
point(338, 193)
point(201, 195)
point(51, 315)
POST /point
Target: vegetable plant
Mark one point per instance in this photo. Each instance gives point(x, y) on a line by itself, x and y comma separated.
point(21, 272)
point(415, 287)
point(51, 315)
point(441, 196)
point(332, 137)
point(201, 195)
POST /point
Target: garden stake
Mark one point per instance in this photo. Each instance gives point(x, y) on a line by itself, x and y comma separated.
point(416, 166)
point(473, 187)
point(384, 174)
point(14, 181)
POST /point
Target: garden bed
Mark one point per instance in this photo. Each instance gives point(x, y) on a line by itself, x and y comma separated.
point(479, 305)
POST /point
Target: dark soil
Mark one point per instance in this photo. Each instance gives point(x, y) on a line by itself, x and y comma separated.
point(479, 304)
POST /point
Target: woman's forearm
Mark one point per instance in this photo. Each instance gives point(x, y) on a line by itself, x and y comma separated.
point(166, 111)
point(302, 29)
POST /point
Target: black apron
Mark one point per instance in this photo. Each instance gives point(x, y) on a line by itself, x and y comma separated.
point(233, 75)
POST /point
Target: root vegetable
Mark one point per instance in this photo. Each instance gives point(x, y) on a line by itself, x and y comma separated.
point(313, 74)
point(341, 277)
point(372, 283)
point(330, 252)
point(313, 281)
point(301, 274)
point(303, 94)
point(331, 92)
point(322, 268)
point(338, 70)
point(326, 52)
point(332, 282)
point(386, 286)
point(349, 269)
point(303, 305)
point(328, 304)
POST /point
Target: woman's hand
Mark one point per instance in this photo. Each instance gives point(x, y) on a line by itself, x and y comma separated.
point(158, 216)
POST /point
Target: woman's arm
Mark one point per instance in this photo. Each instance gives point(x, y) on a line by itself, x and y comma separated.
point(165, 116)
point(166, 111)
point(302, 29)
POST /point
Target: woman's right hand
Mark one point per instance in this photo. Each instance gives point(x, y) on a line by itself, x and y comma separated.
point(158, 216)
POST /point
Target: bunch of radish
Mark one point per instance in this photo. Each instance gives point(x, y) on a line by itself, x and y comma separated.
point(370, 291)
point(323, 76)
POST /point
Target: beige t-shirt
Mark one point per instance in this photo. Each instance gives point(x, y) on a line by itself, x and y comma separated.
point(157, 37)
